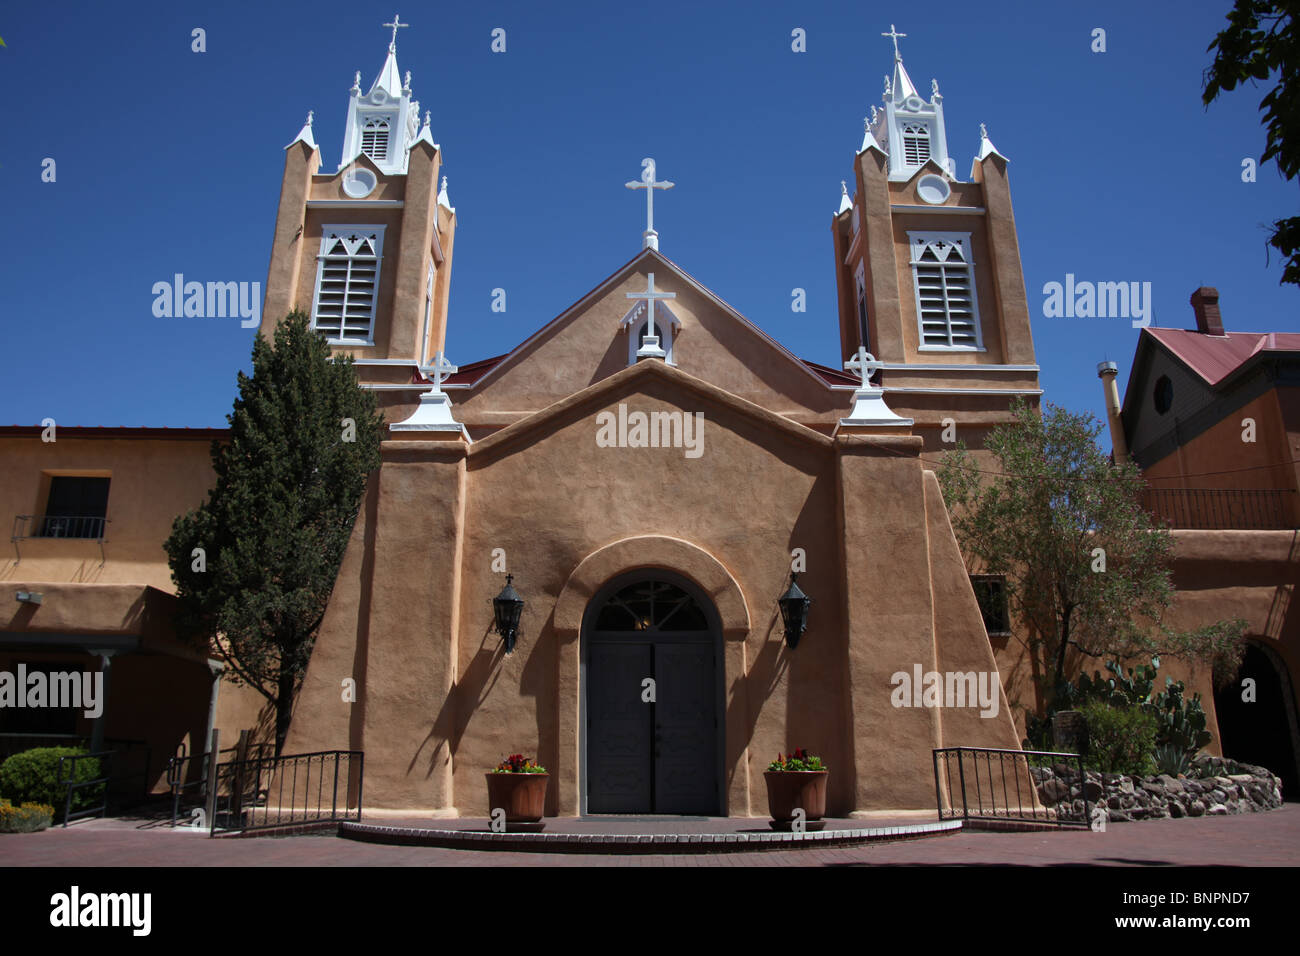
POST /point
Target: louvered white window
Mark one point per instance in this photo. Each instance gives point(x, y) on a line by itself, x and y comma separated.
point(374, 139)
point(916, 144)
point(943, 274)
point(347, 283)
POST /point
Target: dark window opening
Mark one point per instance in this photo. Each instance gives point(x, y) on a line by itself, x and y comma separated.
point(1164, 394)
point(991, 593)
point(76, 508)
point(862, 320)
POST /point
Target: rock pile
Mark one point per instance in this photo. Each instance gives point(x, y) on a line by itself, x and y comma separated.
point(1215, 785)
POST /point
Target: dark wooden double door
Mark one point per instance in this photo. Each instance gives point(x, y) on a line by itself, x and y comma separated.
point(660, 755)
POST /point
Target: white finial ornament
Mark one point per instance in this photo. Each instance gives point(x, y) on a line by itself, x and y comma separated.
point(440, 370)
point(397, 24)
point(310, 115)
point(984, 131)
point(650, 238)
point(934, 88)
point(428, 116)
point(888, 90)
point(896, 36)
point(845, 202)
point(650, 347)
point(874, 111)
point(869, 408)
point(406, 83)
point(356, 84)
point(864, 364)
point(433, 414)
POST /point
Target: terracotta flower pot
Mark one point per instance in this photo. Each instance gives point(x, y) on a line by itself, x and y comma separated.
point(790, 790)
point(521, 795)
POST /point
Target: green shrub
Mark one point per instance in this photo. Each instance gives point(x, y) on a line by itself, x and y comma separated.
point(28, 818)
point(1120, 739)
point(33, 776)
point(1179, 722)
point(1171, 759)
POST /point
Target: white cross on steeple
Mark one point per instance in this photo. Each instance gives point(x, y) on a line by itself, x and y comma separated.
point(439, 371)
point(397, 24)
point(650, 238)
point(650, 348)
point(864, 364)
point(895, 35)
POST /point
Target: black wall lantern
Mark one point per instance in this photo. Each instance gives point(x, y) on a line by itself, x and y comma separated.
point(506, 608)
point(794, 612)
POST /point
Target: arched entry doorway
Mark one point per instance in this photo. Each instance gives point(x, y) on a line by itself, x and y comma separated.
point(1261, 731)
point(652, 747)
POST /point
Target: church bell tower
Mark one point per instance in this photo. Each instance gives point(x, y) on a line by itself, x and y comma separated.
point(366, 250)
point(928, 270)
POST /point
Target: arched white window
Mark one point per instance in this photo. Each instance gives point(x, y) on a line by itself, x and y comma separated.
point(666, 327)
point(374, 139)
point(916, 143)
point(944, 280)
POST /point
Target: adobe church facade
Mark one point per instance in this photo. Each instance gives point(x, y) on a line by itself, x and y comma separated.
point(649, 467)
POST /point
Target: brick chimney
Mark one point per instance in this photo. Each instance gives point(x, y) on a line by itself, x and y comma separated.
point(1205, 303)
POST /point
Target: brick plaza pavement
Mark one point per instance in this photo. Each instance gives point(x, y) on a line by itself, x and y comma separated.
point(1255, 839)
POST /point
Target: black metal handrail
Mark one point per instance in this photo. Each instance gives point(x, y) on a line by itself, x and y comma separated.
point(1222, 509)
point(995, 786)
point(112, 779)
point(263, 793)
point(190, 773)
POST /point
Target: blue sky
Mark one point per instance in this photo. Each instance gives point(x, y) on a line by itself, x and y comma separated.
point(170, 161)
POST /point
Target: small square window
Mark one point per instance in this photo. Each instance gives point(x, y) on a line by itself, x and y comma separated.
point(991, 593)
point(76, 508)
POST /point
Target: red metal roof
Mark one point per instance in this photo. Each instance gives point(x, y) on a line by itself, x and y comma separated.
point(832, 376)
point(1215, 357)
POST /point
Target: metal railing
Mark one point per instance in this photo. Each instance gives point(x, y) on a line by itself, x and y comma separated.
point(1222, 509)
point(113, 780)
point(291, 790)
point(266, 792)
point(83, 527)
point(988, 787)
point(188, 775)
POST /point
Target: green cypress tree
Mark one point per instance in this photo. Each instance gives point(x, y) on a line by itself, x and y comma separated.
point(254, 565)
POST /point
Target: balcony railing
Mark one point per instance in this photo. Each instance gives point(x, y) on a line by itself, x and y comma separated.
point(1222, 509)
point(83, 527)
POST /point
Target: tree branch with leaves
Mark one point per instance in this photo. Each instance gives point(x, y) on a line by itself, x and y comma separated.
point(1086, 568)
point(255, 564)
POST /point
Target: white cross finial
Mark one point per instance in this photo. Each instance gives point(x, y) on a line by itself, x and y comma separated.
point(863, 364)
point(310, 114)
point(439, 371)
point(895, 35)
point(397, 24)
point(649, 296)
point(428, 115)
point(984, 132)
point(650, 238)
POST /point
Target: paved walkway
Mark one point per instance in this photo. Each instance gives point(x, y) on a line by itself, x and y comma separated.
point(1254, 839)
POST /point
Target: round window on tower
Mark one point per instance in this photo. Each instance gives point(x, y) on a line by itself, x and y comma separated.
point(933, 189)
point(1164, 394)
point(359, 183)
